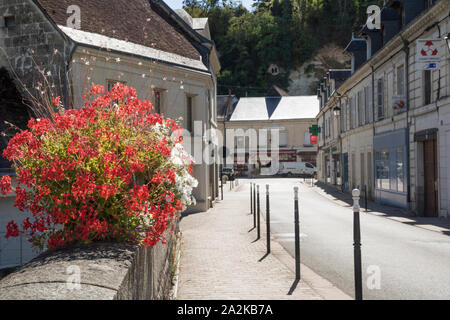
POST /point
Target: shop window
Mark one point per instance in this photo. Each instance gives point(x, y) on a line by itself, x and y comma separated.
point(400, 170)
point(382, 169)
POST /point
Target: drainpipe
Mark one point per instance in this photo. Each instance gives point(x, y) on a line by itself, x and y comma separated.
point(373, 132)
point(341, 166)
point(408, 173)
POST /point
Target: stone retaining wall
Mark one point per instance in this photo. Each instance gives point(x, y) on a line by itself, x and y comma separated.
point(106, 271)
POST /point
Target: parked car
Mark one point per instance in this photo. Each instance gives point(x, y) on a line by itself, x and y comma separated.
point(229, 173)
point(297, 168)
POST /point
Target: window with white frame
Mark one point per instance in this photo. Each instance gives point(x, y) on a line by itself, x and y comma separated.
point(283, 139)
point(307, 139)
point(360, 108)
point(366, 104)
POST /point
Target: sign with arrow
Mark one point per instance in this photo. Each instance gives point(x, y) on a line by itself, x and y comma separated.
point(428, 53)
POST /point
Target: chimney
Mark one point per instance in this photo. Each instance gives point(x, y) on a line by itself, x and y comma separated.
point(407, 9)
point(229, 105)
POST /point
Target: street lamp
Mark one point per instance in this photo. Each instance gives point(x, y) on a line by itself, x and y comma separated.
point(337, 111)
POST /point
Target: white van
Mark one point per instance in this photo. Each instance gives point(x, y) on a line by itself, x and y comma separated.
point(297, 168)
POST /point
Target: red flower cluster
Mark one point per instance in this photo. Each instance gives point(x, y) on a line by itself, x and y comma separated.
point(97, 173)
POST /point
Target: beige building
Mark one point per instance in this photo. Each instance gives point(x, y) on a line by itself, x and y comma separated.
point(168, 57)
point(393, 111)
point(292, 116)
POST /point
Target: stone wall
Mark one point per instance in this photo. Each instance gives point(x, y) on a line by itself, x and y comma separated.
point(31, 42)
point(106, 271)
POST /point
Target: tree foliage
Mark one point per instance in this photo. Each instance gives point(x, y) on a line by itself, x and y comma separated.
point(284, 32)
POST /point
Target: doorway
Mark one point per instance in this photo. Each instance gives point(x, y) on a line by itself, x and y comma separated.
point(345, 173)
point(430, 178)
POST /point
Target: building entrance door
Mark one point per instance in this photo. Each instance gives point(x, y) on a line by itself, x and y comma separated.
point(430, 177)
point(345, 175)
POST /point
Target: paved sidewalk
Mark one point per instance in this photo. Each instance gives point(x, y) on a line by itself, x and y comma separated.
point(440, 225)
point(220, 258)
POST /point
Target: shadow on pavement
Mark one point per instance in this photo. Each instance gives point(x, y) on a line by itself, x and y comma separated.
point(263, 257)
point(441, 225)
point(293, 287)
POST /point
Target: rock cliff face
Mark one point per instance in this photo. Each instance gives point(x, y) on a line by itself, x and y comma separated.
point(305, 80)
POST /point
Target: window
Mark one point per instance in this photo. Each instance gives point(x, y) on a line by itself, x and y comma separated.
point(157, 98)
point(10, 22)
point(380, 98)
point(382, 169)
point(240, 142)
point(189, 115)
point(427, 87)
point(366, 104)
point(350, 113)
point(111, 83)
point(307, 139)
point(283, 139)
point(400, 170)
point(360, 109)
point(400, 80)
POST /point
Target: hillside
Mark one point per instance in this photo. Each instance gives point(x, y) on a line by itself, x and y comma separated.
point(300, 38)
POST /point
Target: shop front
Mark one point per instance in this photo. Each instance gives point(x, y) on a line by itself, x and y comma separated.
point(390, 168)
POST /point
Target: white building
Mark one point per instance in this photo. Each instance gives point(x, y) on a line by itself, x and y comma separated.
point(168, 59)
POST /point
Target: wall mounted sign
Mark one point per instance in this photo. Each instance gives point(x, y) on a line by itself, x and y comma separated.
point(399, 103)
point(428, 53)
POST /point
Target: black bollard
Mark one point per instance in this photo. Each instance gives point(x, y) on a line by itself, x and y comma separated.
point(365, 197)
point(254, 205)
point(251, 198)
point(357, 245)
point(221, 190)
point(297, 235)
point(258, 213)
point(267, 219)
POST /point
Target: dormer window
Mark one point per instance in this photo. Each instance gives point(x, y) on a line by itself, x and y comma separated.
point(398, 6)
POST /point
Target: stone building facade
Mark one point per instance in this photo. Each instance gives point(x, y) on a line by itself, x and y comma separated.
point(168, 57)
point(392, 113)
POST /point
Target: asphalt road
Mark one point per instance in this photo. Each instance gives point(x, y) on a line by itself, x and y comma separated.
point(413, 263)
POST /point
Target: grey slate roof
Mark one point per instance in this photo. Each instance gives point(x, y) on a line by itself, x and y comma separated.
point(222, 105)
point(94, 39)
point(276, 108)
